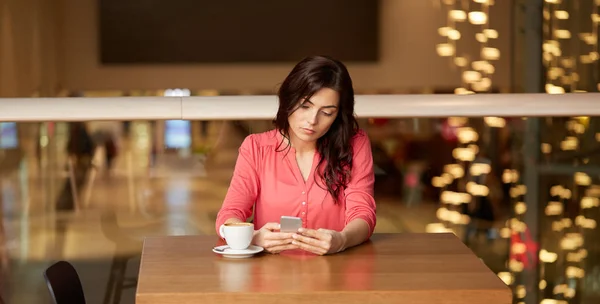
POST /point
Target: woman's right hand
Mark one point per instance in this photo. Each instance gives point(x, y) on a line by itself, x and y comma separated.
point(272, 240)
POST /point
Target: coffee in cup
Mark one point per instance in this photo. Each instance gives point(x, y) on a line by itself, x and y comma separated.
point(237, 235)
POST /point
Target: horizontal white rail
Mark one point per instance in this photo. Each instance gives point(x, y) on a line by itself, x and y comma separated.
point(265, 107)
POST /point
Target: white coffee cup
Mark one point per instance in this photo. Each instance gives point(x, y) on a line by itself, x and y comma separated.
point(237, 235)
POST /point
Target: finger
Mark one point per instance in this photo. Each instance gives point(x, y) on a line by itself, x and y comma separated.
point(281, 248)
point(278, 236)
point(324, 244)
point(309, 240)
point(317, 234)
point(269, 244)
point(309, 248)
point(271, 226)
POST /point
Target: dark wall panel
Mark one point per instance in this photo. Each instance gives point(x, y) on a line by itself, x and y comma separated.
point(236, 31)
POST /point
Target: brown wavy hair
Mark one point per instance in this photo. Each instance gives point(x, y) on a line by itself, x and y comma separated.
point(306, 78)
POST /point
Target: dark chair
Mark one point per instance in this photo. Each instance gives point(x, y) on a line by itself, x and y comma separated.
point(64, 284)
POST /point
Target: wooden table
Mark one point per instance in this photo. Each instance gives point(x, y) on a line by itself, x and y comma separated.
point(390, 268)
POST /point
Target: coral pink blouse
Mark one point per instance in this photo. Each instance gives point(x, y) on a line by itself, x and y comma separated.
point(271, 182)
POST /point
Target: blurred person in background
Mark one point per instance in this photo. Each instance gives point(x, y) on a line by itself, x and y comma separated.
point(80, 145)
point(484, 210)
point(80, 151)
point(107, 134)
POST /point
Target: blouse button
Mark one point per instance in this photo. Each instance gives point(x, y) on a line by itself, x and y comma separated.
point(303, 213)
point(303, 203)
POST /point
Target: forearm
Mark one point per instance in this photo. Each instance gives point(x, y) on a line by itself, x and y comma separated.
point(243, 188)
point(355, 233)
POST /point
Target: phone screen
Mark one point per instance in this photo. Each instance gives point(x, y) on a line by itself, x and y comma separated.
point(290, 224)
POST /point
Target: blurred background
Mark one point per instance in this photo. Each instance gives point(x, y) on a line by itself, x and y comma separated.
point(522, 192)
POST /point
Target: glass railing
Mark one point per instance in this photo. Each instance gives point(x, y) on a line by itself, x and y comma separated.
point(265, 107)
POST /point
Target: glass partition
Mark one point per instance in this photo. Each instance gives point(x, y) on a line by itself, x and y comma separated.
point(88, 192)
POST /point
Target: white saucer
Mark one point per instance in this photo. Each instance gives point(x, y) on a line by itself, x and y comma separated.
point(237, 254)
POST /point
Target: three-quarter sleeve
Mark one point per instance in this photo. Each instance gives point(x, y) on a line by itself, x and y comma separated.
point(360, 202)
point(244, 186)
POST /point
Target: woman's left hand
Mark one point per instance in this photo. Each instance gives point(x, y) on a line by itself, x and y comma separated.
point(321, 241)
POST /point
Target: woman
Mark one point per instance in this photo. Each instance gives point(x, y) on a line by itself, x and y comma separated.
point(316, 165)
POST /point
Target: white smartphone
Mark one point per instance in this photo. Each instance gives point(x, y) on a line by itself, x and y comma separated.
point(290, 224)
